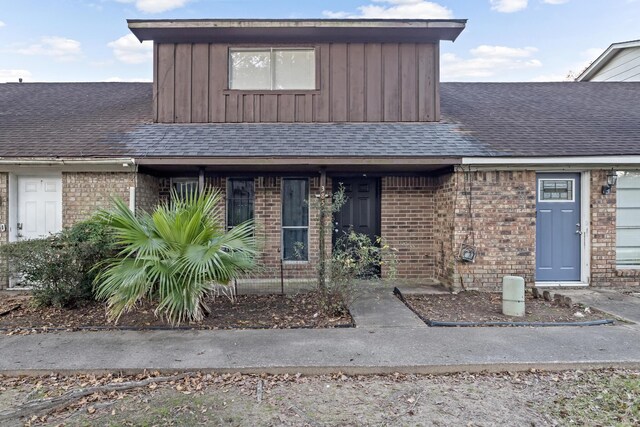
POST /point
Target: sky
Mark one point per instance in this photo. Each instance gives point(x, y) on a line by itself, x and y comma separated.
point(505, 40)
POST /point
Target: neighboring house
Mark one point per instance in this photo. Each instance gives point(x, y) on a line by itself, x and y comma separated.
point(271, 110)
point(619, 63)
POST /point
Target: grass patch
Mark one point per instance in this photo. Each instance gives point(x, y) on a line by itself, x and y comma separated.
point(601, 399)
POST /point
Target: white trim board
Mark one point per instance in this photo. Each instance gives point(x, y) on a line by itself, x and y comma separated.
point(567, 162)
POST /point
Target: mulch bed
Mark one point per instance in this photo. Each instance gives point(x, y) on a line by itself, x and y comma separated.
point(475, 306)
point(248, 312)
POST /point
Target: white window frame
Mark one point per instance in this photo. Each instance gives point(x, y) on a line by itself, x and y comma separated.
point(573, 191)
point(624, 266)
point(283, 227)
point(272, 69)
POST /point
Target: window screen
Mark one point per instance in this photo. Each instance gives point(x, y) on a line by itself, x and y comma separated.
point(628, 219)
point(295, 219)
point(240, 199)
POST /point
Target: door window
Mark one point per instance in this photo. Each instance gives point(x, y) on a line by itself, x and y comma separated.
point(556, 190)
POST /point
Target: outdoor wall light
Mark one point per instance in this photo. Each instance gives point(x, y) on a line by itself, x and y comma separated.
point(612, 178)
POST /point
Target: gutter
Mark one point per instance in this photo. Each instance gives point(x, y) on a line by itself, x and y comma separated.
point(568, 161)
point(125, 162)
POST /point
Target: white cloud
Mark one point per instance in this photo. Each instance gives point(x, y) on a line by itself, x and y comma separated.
point(572, 71)
point(488, 61)
point(14, 75)
point(129, 50)
point(508, 6)
point(555, 1)
point(2, 24)
point(156, 6)
point(396, 9)
point(61, 48)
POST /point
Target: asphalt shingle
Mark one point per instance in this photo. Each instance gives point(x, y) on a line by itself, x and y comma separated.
point(478, 119)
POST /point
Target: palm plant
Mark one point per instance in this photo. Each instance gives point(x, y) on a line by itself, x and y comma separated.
point(174, 256)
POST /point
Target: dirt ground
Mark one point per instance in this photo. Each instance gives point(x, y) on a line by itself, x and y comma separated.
point(249, 311)
point(596, 398)
point(474, 306)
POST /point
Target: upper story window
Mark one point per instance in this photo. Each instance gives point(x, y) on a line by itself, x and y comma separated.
point(272, 69)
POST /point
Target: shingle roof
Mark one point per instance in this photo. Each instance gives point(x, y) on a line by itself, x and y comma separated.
point(479, 119)
point(70, 119)
point(548, 119)
point(304, 140)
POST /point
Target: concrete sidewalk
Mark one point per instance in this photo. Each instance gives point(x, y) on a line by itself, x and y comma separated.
point(309, 351)
point(621, 305)
point(388, 338)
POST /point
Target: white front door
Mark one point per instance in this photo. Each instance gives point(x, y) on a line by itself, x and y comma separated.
point(39, 206)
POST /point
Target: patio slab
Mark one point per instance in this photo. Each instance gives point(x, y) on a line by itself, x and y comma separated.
point(625, 306)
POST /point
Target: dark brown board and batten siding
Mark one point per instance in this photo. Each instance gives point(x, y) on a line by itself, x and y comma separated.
point(357, 82)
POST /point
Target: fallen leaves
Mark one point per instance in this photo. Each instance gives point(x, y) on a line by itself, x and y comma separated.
point(248, 312)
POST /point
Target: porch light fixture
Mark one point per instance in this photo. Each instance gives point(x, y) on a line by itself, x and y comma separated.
point(612, 178)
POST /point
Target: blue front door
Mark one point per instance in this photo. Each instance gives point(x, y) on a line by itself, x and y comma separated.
point(558, 228)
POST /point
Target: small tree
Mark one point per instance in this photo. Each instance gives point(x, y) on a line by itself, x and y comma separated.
point(174, 256)
point(354, 257)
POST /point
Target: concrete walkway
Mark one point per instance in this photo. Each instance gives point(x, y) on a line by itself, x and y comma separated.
point(621, 305)
point(377, 307)
point(379, 344)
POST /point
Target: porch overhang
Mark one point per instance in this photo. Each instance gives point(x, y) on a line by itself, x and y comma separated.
point(299, 164)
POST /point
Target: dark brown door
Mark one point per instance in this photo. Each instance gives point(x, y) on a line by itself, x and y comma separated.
point(361, 212)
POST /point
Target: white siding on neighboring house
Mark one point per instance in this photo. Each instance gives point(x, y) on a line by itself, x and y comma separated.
point(624, 66)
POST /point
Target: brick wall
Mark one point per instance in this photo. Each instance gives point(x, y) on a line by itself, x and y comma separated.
point(85, 192)
point(4, 219)
point(407, 225)
point(496, 212)
point(443, 245)
point(603, 238)
point(147, 192)
point(268, 213)
point(4, 206)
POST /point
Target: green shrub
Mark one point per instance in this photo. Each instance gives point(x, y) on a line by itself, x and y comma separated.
point(355, 258)
point(173, 256)
point(60, 268)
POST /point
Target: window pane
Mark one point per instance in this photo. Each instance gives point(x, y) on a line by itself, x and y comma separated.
point(294, 244)
point(628, 256)
point(239, 201)
point(628, 219)
point(628, 179)
point(185, 186)
point(295, 69)
point(295, 206)
point(250, 69)
point(556, 189)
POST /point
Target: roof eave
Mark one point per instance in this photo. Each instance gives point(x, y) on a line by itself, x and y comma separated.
point(297, 30)
point(604, 57)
